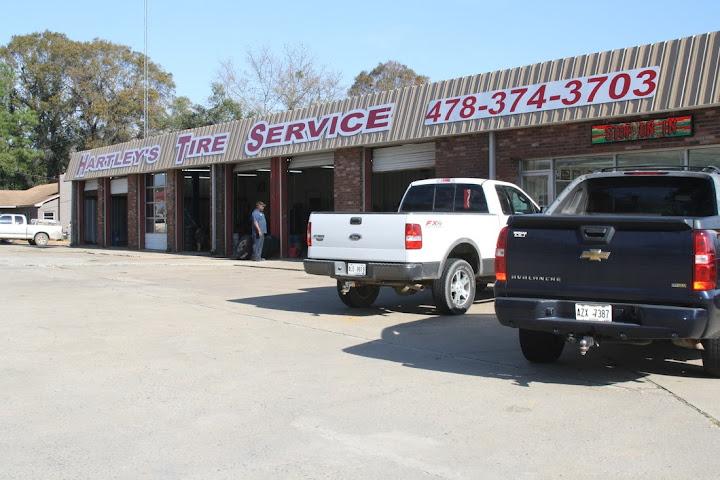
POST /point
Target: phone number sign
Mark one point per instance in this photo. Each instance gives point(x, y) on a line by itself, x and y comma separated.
point(609, 87)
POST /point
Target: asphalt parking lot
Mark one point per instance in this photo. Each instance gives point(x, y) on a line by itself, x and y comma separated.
point(124, 364)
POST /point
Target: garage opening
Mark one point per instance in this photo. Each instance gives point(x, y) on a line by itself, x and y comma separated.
point(251, 183)
point(118, 212)
point(155, 211)
point(196, 210)
point(394, 168)
point(90, 207)
point(311, 181)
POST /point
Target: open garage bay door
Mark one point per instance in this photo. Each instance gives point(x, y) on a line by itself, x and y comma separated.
point(119, 186)
point(404, 157)
point(252, 166)
point(314, 160)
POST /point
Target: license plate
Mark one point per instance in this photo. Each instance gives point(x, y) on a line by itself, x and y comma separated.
point(356, 269)
point(593, 313)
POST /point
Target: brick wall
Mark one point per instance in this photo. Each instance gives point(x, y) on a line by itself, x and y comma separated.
point(171, 190)
point(465, 156)
point(77, 213)
point(348, 178)
point(103, 195)
point(133, 211)
point(574, 140)
point(219, 217)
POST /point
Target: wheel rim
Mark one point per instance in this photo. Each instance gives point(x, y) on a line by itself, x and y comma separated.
point(460, 288)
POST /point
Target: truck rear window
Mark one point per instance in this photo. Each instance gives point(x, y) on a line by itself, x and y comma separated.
point(445, 197)
point(643, 195)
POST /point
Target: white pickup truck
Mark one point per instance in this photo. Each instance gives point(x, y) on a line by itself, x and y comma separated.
point(443, 237)
point(38, 232)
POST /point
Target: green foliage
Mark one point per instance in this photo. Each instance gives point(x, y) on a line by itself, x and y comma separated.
point(386, 76)
point(19, 161)
point(220, 109)
point(84, 94)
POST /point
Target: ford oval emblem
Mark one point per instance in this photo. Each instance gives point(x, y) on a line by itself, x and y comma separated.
point(355, 237)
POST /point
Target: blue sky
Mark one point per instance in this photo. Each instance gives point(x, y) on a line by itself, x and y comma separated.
point(441, 39)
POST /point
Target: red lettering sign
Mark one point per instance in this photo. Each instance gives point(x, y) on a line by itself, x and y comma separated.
point(354, 122)
point(190, 146)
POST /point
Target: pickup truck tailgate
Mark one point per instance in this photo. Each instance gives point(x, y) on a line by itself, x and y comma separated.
point(379, 237)
point(644, 259)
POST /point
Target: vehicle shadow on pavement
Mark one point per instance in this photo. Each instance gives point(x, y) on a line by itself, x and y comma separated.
point(325, 301)
point(478, 345)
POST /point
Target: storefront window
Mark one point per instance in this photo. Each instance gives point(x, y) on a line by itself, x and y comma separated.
point(705, 157)
point(657, 159)
point(568, 169)
point(544, 164)
point(155, 206)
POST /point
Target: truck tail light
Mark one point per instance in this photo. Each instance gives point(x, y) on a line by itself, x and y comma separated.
point(309, 236)
point(500, 259)
point(413, 236)
point(705, 261)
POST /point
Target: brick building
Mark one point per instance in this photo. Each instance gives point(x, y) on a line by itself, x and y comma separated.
point(539, 126)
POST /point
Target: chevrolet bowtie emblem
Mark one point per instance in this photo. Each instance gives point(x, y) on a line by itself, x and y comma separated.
point(595, 255)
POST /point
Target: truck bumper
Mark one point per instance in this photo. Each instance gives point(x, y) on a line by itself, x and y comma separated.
point(629, 321)
point(374, 271)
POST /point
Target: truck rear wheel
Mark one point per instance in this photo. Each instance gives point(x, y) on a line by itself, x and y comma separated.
point(358, 297)
point(41, 239)
point(454, 291)
point(711, 356)
point(541, 347)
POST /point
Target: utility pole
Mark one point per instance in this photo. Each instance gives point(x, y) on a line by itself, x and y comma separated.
point(146, 99)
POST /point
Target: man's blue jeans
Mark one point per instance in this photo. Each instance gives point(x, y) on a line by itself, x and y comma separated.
point(258, 246)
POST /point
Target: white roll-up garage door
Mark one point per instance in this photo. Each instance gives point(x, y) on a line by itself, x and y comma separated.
point(156, 241)
point(404, 157)
point(314, 160)
point(119, 186)
point(91, 185)
point(252, 166)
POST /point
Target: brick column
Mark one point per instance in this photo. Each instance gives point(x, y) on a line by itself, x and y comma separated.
point(76, 231)
point(218, 216)
point(171, 188)
point(133, 212)
point(368, 179)
point(464, 156)
point(227, 218)
point(278, 202)
point(103, 206)
point(348, 178)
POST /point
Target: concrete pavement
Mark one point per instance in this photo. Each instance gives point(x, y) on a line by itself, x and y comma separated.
point(120, 364)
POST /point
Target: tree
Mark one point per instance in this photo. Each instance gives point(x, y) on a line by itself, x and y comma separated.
point(272, 83)
point(386, 76)
point(85, 94)
point(19, 167)
point(220, 109)
point(41, 85)
point(107, 85)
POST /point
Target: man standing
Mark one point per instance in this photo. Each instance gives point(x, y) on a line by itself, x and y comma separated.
point(259, 230)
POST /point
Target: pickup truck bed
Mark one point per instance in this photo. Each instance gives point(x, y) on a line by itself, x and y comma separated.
point(442, 238)
point(587, 273)
point(36, 232)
